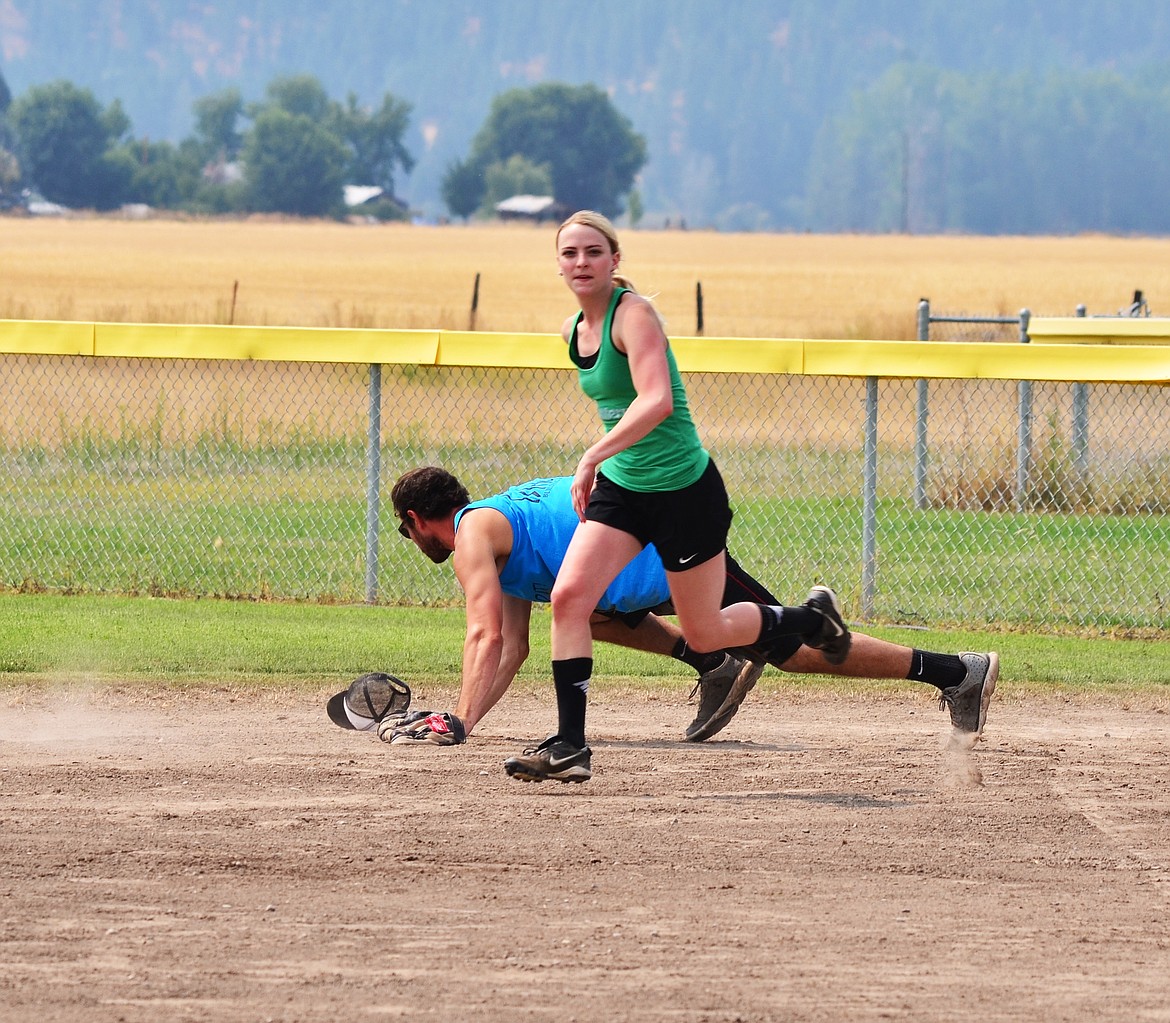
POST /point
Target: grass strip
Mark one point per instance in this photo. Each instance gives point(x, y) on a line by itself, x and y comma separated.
point(47, 639)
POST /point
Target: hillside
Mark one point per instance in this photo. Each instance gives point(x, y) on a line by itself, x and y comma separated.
point(732, 97)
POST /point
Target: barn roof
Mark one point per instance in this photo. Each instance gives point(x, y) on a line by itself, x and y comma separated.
point(527, 205)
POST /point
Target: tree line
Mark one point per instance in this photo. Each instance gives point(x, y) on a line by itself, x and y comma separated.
point(920, 150)
point(294, 152)
point(927, 151)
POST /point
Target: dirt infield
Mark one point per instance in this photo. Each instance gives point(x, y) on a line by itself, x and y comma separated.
point(194, 857)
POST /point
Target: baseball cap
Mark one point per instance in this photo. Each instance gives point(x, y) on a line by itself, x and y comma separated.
point(369, 700)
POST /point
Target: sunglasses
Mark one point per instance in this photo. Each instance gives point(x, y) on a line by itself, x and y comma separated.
point(404, 530)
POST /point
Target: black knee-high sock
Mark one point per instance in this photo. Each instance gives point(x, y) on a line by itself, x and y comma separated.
point(702, 663)
point(571, 680)
point(941, 670)
point(786, 621)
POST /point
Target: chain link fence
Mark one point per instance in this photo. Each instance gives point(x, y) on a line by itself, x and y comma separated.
point(259, 480)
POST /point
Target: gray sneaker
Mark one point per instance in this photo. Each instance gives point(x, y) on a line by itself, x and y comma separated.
point(707, 722)
point(832, 639)
point(713, 687)
point(554, 758)
point(968, 700)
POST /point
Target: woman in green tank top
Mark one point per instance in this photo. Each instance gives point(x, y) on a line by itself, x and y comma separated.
point(647, 479)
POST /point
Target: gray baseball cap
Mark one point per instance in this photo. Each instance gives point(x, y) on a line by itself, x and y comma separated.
point(369, 700)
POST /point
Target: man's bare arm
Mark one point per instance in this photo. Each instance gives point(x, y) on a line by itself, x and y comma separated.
point(477, 559)
point(476, 699)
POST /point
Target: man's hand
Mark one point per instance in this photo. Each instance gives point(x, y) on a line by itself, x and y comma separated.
point(439, 728)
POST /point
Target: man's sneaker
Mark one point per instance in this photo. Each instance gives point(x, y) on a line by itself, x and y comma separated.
point(968, 700)
point(744, 675)
point(713, 687)
point(554, 758)
point(832, 639)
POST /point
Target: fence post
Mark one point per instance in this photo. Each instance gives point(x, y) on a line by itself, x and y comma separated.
point(1024, 444)
point(373, 482)
point(699, 308)
point(869, 500)
point(1080, 423)
point(922, 413)
point(474, 304)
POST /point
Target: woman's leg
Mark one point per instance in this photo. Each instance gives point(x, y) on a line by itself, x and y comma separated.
point(596, 554)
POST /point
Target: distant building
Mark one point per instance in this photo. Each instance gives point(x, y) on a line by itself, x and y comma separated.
point(372, 203)
point(221, 172)
point(355, 195)
point(537, 208)
point(39, 206)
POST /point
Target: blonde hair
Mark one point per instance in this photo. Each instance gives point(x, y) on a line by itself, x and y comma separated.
point(601, 224)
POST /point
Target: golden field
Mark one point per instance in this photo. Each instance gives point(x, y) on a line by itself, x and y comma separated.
point(324, 274)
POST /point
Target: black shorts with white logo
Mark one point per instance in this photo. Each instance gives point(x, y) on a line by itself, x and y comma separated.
point(688, 526)
point(738, 587)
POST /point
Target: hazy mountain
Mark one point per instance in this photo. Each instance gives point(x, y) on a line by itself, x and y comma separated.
point(730, 94)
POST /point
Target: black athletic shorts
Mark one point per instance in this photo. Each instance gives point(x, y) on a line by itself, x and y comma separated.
point(738, 587)
point(688, 526)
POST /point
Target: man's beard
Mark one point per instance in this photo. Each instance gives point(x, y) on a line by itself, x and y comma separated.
point(437, 552)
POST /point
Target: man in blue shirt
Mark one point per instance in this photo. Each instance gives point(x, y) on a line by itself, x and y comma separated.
point(507, 550)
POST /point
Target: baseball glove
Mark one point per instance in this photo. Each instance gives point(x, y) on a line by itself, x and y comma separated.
point(388, 727)
point(438, 728)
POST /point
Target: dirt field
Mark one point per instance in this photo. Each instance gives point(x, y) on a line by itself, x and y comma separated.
point(196, 857)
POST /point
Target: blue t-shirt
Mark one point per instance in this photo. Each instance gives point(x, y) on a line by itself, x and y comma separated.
point(541, 515)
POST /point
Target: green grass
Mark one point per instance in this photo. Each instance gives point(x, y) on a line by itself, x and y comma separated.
point(282, 516)
point(301, 537)
point(47, 639)
point(971, 567)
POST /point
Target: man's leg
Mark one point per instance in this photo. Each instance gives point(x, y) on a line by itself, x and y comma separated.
point(965, 681)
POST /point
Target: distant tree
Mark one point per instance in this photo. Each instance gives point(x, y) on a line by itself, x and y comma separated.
point(635, 207)
point(374, 141)
point(514, 176)
point(369, 144)
point(116, 122)
point(592, 152)
point(9, 170)
point(925, 150)
point(9, 165)
point(857, 169)
point(293, 165)
point(462, 188)
point(163, 175)
point(66, 140)
point(299, 94)
point(212, 196)
point(217, 119)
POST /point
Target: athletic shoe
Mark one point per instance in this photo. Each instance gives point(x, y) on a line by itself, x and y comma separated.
point(968, 700)
point(555, 758)
point(733, 691)
point(437, 729)
point(713, 687)
point(832, 639)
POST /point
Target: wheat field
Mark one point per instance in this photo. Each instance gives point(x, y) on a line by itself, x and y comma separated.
point(325, 274)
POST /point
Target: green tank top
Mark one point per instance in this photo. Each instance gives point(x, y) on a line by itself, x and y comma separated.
point(670, 456)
